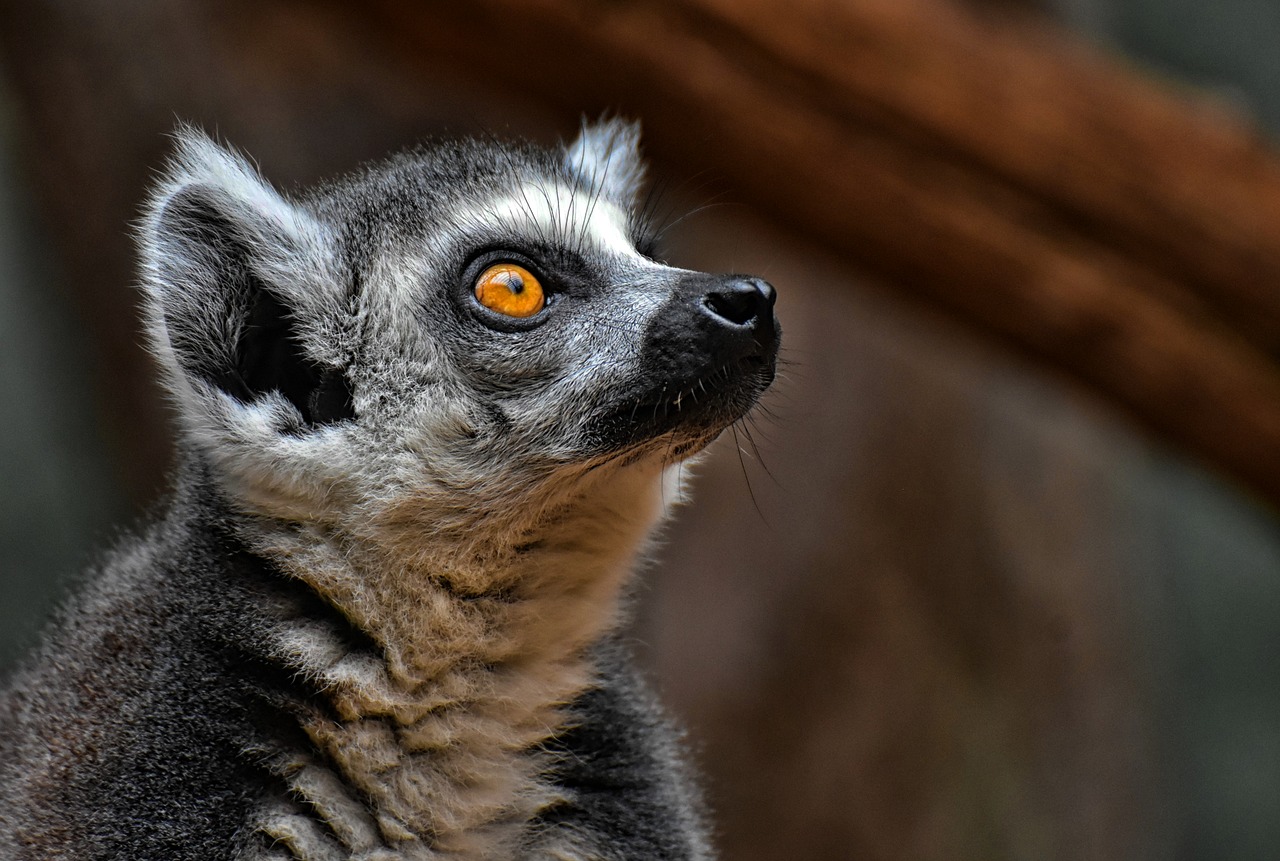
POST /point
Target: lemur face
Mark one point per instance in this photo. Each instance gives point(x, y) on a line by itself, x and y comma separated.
point(468, 313)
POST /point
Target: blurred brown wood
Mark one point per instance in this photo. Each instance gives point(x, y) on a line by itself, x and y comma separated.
point(929, 651)
point(1120, 233)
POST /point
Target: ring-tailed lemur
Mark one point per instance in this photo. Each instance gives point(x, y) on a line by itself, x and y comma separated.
point(429, 414)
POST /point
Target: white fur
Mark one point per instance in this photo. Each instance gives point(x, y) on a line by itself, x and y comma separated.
point(571, 215)
point(606, 156)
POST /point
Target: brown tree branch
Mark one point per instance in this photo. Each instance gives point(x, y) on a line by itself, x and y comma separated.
point(1113, 230)
point(1118, 232)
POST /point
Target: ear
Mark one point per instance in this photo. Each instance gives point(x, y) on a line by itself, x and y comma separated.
point(242, 287)
point(606, 157)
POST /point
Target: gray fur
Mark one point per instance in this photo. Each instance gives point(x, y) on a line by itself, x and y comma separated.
point(377, 618)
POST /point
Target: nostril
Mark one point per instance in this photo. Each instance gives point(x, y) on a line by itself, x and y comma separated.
point(740, 300)
point(766, 290)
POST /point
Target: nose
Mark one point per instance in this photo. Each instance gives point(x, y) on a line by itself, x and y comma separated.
point(740, 301)
point(713, 323)
point(739, 309)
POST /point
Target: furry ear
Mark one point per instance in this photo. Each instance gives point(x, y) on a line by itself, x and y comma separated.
point(606, 157)
point(241, 284)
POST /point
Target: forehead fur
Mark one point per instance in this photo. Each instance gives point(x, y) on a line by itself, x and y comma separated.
point(579, 197)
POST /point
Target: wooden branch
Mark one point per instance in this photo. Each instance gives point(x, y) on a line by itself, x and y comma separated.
point(1115, 231)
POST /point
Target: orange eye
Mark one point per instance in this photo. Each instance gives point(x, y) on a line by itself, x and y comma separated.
point(510, 290)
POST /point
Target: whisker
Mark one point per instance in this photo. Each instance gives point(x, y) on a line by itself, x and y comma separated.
point(746, 476)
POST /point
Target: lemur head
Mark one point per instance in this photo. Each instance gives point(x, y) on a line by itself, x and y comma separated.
point(466, 322)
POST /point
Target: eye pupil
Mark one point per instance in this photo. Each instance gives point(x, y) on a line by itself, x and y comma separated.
point(511, 290)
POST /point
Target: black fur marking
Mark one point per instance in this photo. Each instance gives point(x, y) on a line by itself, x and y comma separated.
point(708, 355)
point(627, 788)
point(331, 399)
point(265, 353)
point(270, 358)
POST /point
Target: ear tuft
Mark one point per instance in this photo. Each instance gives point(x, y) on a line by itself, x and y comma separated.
point(606, 157)
point(257, 214)
point(243, 291)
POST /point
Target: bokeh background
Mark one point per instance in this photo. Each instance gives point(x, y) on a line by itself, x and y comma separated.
point(996, 575)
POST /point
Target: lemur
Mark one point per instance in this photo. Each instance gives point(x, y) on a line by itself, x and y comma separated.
point(430, 414)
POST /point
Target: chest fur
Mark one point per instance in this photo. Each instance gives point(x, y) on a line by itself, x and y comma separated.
point(432, 742)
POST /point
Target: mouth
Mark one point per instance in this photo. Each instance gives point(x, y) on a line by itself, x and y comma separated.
point(685, 415)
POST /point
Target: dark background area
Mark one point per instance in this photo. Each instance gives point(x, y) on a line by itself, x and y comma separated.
point(955, 602)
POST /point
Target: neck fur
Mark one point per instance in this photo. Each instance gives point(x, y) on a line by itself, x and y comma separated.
point(485, 635)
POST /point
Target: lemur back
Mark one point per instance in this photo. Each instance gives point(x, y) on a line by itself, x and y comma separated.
point(430, 414)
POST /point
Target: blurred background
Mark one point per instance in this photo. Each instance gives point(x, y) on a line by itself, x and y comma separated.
point(996, 572)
